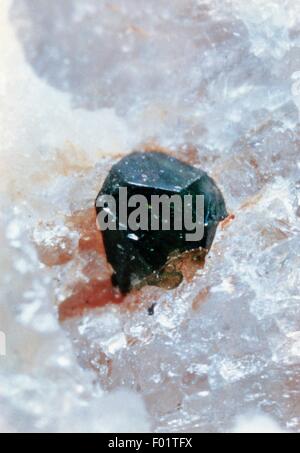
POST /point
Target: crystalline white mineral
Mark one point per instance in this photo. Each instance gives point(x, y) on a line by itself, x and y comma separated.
point(216, 83)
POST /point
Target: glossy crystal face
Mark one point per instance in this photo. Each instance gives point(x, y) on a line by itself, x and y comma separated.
point(148, 256)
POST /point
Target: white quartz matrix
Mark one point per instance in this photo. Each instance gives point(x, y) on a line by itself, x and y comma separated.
point(216, 83)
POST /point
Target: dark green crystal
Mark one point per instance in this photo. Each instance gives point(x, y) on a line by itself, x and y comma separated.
point(143, 260)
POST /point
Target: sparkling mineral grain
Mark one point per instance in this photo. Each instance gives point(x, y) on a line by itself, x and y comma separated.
point(151, 257)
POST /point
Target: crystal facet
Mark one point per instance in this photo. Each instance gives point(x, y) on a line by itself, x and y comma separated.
point(149, 257)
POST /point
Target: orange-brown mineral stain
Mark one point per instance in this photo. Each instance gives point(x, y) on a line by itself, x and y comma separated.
point(56, 255)
point(90, 237)
point(96, 292)
point(227, 221)
point(200, 298)
point(88, 296)
point(61, 252)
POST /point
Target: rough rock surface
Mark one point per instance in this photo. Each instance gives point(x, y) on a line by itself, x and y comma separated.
point(216, 83)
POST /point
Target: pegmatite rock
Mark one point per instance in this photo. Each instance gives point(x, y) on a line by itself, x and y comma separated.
point(84, 83)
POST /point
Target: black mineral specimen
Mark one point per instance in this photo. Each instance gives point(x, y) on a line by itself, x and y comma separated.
point(149, 257)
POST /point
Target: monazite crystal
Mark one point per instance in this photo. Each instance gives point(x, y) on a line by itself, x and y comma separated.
point(152, 257)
